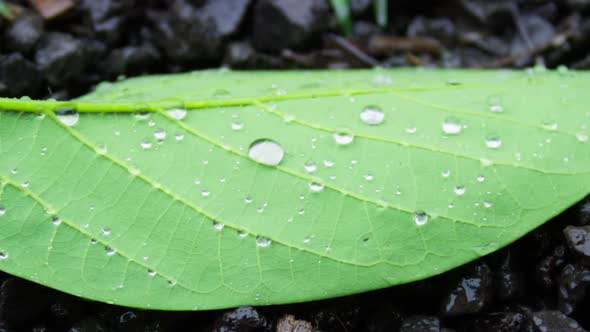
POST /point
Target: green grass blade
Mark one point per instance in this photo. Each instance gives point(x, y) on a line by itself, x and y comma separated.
point(342, 11)
point(381, 12)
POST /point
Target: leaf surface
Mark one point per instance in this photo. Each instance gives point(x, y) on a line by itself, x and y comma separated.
point(139, 204)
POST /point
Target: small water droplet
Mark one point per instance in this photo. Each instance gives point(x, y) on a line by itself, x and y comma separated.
point(151, 273)
point(151, 123)
point(481, 178)
point(411, 130)
point(242, 233)
point(301, 212)
point(495, 104)
point(445, 173)
point(56, 221)
point(14, 171)
point(3, 255)
point(307, 239)
point(67, 115)
point(368, 177)
point(316, 187)
point(451, 126)
point(262, 241)
point(487, 204)
point(25, 184)
point(460, 190)
point(110, 251)
point(205, 193)
point(237, 125)
point(582, 137)
point(93, 241)
point(159, 134)
point(420, 218)
point(266, 152)
point(328, 163)
point(493, 142)
point(372, 115)
point(177, 113)
point(343, 138)
point(218, 226)
point(145, 144)
point(2, 211)
point(179, 137)
point(310, 166)
point(550, 125)
point(106, 231)
point(142, 115)
point(248, 200)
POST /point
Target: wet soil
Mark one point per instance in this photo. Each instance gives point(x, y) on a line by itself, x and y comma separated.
point(63, 48)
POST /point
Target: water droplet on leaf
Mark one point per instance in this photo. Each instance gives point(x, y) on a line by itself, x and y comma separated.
point(493, 142)
point(372, 115)
point(266, 152)
point(177, 113)
point(420, 218)
point(316, 187)
point(460, 190)
point(67, 115)
point(343, 138)
point(262, 241)
point(451, 126)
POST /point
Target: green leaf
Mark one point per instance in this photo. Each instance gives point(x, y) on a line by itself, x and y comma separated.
point(136, 205)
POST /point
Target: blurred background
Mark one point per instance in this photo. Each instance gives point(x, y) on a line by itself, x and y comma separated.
point(62, 48)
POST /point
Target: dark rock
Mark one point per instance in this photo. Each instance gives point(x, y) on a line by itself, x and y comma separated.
point(18, 76)
point(288, 323)
point(364, 29)
point(384, 318)
point(65, 310)
point(498, 322)
point(130, 59)
point(185, 35)
point(420, 324)
point(497, 15)
point(108, 17)
point(584, 210)
point(549, 320)
point(346, 315)
point(280, 24)
point(240, 319)
point(549, 267)
point(573, 287)
point(60, 57)
point(359, 7)
point(539, 32)
point(21, 303)
point(578, 5)
point(240, 55)
point(578, 241)
point(88, 324)
point(469, 293)
point(508, 280)
point(442, 29)
point(226, 15)
point(24, 33)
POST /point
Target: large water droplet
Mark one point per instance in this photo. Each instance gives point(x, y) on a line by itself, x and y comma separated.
point(493, 142)
point(372, 115)
point(56, 221)
point(420, 218)
point(316, 187)
point(266, 151)
point(582, 137)
point(177, 113)
point(262, 241)
point(67, 115)
point(451, 126)
point(343, 138)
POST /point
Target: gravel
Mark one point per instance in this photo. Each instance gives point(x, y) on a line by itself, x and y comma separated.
point(539, 283)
